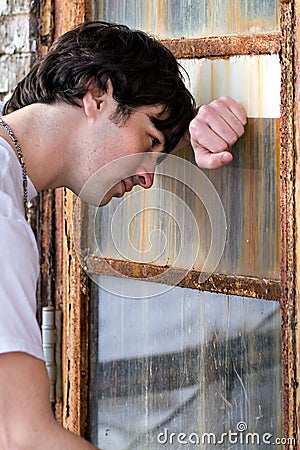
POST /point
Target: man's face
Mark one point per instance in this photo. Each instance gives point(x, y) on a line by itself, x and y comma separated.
point(124, 155)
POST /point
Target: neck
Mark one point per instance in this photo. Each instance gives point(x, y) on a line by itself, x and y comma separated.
point(41, 131)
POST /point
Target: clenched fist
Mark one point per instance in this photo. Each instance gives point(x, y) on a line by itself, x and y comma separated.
point(215, 128)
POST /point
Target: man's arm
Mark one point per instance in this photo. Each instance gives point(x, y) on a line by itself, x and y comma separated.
point(26, 420)
point(215, 128)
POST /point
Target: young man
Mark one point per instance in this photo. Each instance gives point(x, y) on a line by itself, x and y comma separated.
point(102, 93)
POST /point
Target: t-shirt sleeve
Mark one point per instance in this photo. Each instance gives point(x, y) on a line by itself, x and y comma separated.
point(19, 330)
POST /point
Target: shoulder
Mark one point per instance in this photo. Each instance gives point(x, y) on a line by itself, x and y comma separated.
point(11, 188)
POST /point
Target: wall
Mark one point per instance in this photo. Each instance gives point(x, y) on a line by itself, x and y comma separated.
point(18, 42)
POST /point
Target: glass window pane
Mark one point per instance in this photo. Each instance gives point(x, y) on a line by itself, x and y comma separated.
point(175, 223)
point(253, 81)
point(192, 18)
point(183, 362)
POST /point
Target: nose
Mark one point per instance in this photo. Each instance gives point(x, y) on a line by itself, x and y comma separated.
point(144, 176)
point(145, 180)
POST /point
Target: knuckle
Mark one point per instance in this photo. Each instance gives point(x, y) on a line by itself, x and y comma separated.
point(192, 125)
point(196, 126)
point(240, 131)
point(225, 99)
point(232, 140)
point(222, 147)
point(218, 102)
point(204, 111)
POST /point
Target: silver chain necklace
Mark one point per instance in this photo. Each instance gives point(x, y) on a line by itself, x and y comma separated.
point(15, 141)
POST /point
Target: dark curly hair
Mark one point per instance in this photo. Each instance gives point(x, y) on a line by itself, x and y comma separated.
point(142, 71)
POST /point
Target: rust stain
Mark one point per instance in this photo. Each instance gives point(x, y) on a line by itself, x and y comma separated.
point(46, 25)
point(225, 284)
point(46, 248)
point(225, 46)
point(297, 206)
point(71, 293)
point(287, 180)
point(70, 13)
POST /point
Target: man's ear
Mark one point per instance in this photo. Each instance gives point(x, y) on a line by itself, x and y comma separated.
point(92, 101)
point(91, 104)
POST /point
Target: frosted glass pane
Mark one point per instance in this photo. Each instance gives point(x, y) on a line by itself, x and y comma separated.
point(253, 81)
point(192, 18)
point(184, 362)
point(153, 227)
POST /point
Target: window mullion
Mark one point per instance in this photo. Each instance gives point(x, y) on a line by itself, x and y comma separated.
point(224, 284)
point(224, 46)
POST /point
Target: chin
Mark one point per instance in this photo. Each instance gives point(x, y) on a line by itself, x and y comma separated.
point(114, 192)
point(105, 200)
point(95, 198)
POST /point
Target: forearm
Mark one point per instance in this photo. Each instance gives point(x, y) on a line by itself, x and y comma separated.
point(50, 436)
point(26, 420)
point(54, 437)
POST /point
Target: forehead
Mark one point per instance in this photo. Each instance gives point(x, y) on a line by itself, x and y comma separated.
point(155, 111)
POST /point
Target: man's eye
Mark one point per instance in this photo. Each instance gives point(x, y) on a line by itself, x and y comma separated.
point(155, 141)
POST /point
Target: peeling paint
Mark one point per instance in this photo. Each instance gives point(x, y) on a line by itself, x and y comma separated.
point(224, 46)
point(234, 285)
point(287, 178)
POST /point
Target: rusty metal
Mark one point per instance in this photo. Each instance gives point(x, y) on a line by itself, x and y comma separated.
point(45, 238)
point(297, 203)
point(71, 293)
point(225, 46)
point(72, 297)
point(70, 13)
point(46, 25)
point(225, 284)
point(288, 267)
point(59, 266)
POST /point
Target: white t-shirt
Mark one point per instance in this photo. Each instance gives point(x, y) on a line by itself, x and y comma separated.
point(19, 268)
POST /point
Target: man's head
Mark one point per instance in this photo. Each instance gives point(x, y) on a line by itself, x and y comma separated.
point(112, 93)
point(142, 72)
